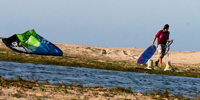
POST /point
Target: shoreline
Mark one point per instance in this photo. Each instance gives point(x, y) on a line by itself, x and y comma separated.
point(19, 89)
point(33, 90)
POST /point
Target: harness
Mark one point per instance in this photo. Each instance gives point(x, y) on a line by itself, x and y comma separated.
point(168, 47)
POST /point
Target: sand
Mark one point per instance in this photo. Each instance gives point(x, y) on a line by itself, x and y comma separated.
point(183, 58)
point(71, 93)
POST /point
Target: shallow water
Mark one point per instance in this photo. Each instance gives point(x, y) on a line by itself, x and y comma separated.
point(139, 82)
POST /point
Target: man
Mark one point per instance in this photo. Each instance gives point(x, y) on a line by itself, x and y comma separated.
point(163, 38)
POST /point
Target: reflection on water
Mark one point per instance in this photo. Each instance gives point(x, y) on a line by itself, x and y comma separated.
point(139, 82)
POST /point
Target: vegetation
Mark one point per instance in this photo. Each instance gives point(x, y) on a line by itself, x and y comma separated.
point(121, 89)
point(64, 87)
point(80, 61)
point(158, 95)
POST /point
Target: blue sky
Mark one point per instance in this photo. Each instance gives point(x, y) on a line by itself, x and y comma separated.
point(104, 23)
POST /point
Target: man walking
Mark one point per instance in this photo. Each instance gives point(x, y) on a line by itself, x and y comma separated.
point(163, 38)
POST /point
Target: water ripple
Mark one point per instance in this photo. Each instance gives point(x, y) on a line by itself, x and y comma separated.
point(139, 82)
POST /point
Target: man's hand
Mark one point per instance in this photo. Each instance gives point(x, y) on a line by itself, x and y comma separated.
point(152, 44)
point(170, 41)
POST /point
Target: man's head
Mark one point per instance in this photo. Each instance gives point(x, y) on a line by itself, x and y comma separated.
point(166, 27)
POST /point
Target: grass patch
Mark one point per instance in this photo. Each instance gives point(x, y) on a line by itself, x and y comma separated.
point(17, 95)
point(121, 89)
point(160, 95)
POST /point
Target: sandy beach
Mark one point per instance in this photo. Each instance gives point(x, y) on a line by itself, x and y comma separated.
point(184, 59)
point(181, 58)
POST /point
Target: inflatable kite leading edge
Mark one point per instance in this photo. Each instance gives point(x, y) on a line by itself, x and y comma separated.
point(32, 43)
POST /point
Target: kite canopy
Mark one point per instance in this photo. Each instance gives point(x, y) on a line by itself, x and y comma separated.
point(32, 43)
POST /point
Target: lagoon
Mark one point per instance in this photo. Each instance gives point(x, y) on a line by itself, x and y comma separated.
point(139, 82)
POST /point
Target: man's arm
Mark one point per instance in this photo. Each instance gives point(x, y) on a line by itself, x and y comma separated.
point(153, 41)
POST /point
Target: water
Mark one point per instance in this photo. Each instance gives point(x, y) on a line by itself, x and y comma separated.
point(139, 82)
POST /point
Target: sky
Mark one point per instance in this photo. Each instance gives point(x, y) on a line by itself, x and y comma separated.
point(104, 23)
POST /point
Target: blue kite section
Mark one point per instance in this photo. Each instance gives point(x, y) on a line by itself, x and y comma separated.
point(146, 55)
point(47, 48)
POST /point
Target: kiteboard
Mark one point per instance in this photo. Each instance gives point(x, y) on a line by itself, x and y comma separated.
point(146, 55)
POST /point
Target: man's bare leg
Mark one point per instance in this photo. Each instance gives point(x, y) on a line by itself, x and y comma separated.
point(160, 61)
